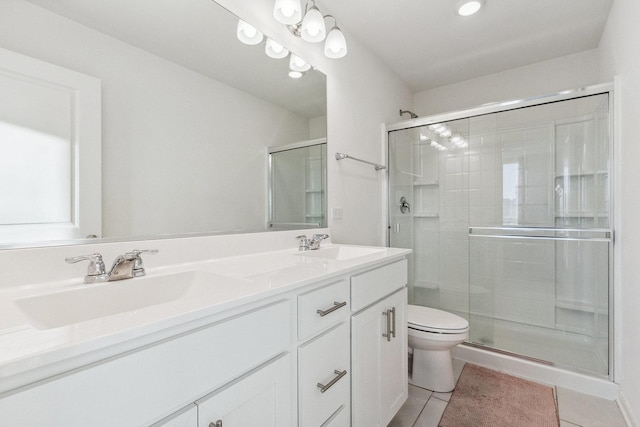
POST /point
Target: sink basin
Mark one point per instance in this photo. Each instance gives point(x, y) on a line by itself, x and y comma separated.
point(340, 253)
point(105, 299)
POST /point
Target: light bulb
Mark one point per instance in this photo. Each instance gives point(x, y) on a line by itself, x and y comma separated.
point(248, 34)
point(295, 74)
point(335, 46)
point(288, 12)
point(298, 64)
point(313, 29)
point(469, 7)
point(275, 50)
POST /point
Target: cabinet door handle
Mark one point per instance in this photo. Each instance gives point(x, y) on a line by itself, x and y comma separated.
point(339, 374)
point(393, 322)
point(216, 424)
point(336, 305)
point(387, 335)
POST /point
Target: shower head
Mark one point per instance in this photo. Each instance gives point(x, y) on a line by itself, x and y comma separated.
point(413, 115)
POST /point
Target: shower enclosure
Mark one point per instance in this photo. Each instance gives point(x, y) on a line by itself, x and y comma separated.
point(508, 211)
point(297, 185)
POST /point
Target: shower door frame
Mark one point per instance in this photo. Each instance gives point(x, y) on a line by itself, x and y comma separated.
point(497, 107)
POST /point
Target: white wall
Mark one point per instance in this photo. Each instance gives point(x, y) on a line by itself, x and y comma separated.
point(168, 132)
point(619, 48)
point(568, 72)
point(362, 94)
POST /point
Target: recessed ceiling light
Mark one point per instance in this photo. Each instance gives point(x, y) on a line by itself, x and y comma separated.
point(469, 7)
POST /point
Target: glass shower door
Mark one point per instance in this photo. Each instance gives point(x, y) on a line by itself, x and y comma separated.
point(539, 237)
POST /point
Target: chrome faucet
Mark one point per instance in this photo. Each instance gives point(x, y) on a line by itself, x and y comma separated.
point(312, 244)
point(125, 266)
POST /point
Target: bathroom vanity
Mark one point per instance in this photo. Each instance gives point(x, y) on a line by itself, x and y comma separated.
point(242, 336)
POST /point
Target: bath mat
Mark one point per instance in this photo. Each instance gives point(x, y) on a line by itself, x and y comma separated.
point(483, 397)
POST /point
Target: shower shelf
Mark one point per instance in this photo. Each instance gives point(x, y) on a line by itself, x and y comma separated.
point(581, 174)
point(581, 215)
point(426, 215)
point(425, 183)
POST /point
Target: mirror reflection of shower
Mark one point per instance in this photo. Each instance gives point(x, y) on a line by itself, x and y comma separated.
point(297, 185)
point(510, 225)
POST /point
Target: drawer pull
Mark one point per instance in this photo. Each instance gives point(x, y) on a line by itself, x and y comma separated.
point(216, 424)
point(339, 374)
point(336, 305)
point(393, 322)
point(387, 334)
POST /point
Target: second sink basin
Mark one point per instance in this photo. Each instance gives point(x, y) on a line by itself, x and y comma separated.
point(340, 253)
point(105, 299)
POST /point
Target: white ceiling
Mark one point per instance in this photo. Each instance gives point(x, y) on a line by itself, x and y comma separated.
point(428, 45)
point(424, 41)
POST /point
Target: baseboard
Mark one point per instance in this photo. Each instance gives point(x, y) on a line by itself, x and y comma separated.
point(538, 372)
point(627, 411)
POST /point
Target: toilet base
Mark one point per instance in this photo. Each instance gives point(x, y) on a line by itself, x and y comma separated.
point(433, 370)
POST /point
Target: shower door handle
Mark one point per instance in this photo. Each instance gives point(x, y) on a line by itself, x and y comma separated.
point(404, 205)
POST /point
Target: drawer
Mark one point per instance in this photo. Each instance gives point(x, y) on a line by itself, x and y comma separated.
point(322, 308)
point(322, 361)
point(369, 287)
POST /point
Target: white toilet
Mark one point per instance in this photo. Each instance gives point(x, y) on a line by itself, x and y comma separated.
point(432, 334)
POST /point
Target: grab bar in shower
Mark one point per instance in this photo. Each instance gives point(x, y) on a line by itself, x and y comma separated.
point(341, 156)
point(542, 233)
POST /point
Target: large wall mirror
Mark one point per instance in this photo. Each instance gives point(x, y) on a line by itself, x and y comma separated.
point(187, 110)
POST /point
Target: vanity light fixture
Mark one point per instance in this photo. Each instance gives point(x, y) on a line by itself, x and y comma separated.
point(298, 64)
point(275, 50)
point(288, 12)
point(469, 7)
point(311, 27)
point(248, 34)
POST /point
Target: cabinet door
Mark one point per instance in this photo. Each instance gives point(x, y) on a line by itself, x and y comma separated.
point(379, 363)
point(262, 397)
point(393, 359)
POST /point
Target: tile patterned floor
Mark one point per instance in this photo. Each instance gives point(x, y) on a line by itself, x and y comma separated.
point(424, 408)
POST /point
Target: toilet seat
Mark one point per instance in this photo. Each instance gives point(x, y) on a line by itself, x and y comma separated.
point(431, 320)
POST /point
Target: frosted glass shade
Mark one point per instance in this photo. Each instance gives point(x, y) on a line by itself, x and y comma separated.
point(298, 64)
point(335, 46)
point(275, 50)
point(288, 12)
point(313, 29)
point(248, 34)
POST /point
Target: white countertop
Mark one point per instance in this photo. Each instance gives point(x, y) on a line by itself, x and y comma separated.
point(29, 353)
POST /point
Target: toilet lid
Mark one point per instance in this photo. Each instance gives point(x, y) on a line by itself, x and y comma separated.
point(430, 319)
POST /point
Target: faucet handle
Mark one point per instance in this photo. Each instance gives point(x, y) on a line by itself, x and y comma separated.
point(304, 242)
point(134, 255)
point(318, 237)
point(96, 268)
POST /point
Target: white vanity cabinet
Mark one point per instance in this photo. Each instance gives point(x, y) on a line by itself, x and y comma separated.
point(379, 345)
